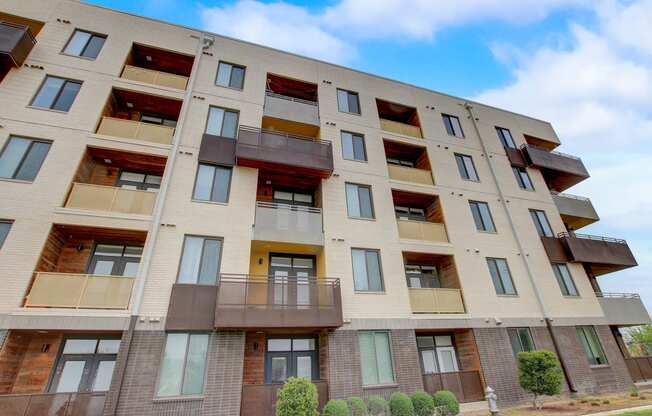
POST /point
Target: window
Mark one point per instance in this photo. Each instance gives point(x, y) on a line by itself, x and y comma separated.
point(466, 167)
point(367, 273)
point(453, 126)
point(353, 147)
point(358, 201)
point(213, 183)
point(505, 137)
point(375, 358)
point(348, 101)
point(541, 223)
point(158, 120)
point(184, 364)
point(5, 226)
point(409, 213)
point(437, 354)
point(564, 279)
point(200, 260)
point(291, 357)
point(85, 364)
point(222, 122)
point(482, 216)
point(501, 276)
point(400, 162)
point(293, 197)
point(84, 44)
point(140, 181)
point(56, 93)
point(22, 158)
point(230, 75)
point(110, 259)
point(521, 339)
point(523, 179)
point(419, 276)
point(591, 344)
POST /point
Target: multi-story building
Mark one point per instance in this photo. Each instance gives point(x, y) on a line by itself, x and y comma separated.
point(187, 219)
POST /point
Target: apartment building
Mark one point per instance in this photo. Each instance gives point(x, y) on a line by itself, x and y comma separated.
point(186, 220)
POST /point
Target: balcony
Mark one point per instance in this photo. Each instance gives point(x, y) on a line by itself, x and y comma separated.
point(288, 223)
point(599, 254)
point(560, 170)
point(158, 67)
point(408, 163)
point(111, 199)
point(192, 307)
point(422, 230)
point(150, 76)
point(622, 309)
point(40, 404)
point(436, 300)
point(261, 302)
point(398, 119)
point(68, 290)
point(16, 42)
point(260, 399)
point(576, 211)
point(400, 128)
point(407, 174)
point(466, 385)
point(136, 130)
point(283, 153)
point(291, 106)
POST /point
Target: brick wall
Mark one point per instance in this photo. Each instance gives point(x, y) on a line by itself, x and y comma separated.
point(222, 389)
point(254, 359)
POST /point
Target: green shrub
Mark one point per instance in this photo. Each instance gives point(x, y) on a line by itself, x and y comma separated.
point(401, 405)
point(447, 401)
point(378, 406)
point(423, 403)
point(633, 391)
point(297, 397)
point(336, 408)
point(539, 373)
point(357, 407)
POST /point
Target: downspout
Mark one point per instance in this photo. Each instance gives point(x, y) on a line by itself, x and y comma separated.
point(571, 385)
point(139, 289)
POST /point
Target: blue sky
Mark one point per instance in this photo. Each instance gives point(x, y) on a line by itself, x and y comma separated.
point(583, 65)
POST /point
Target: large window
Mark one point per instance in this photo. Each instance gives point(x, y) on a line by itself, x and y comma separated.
point(521, 339)
point(367, 273)
point(85, 365)
point(591, 344)
point(466, 167)
point(375, 358)
point(222, 122)
point(523, 179)
point(358, 201)
point(230, 75)
point(140, 181)
point(505, 137)
point(291, 357)
point(564, 279)
point(184, 365)
point(453, 126)
point(482, 216)
point(200, 260)
point(410, 213)
point(420, 276)
point(437, 354)
point(84, 44)
point(56, 93)
point(353, 147)
point(22, 158)
point(501, 276)
point(348, 101)
point(213, 183)
point(5, 226)
point(541, 223)
point(110, 259)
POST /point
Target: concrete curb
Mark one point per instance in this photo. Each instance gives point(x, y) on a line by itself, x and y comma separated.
point(619, 411)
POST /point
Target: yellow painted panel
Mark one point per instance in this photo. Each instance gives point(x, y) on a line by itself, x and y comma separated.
point(150, 76)
point(422, 230)
point(133, 201)
point(58, 290)
point(130, 129)
point(407, 174)
point(107, 292)
point(93, 197)
point(437, 300)
point(400, 128)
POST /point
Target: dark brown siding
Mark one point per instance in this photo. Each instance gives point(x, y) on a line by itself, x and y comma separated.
point(217, 150)
point(192, 307)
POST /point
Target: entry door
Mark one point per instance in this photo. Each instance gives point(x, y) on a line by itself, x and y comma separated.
point(291, 276)
point(115, 260)
point(85, 365)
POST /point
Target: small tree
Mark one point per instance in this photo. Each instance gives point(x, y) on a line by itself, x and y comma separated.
point(401, 405)
point(423, 403)
point(378, 406)
point(336, 408)
point(539, 373)
point(297, 397)
point(357, 406)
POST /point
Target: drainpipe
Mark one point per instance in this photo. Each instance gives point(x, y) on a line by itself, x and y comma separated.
point(146, 258)
point(542, 306)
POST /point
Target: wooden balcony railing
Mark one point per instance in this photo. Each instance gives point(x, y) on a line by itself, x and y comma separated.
point(422, 230)
point(135, 130)
point(150, 76)
point(79, 291)
point(111, 199)
point(465, 385)
point(42, 404)
point(436, 300)
point(260, 399)
point(407, 174)
point(400, 128)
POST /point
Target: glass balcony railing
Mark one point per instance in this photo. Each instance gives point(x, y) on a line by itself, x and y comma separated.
point(150, 76)
point(436, 300)
point(111, 199)
point(136, 130)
